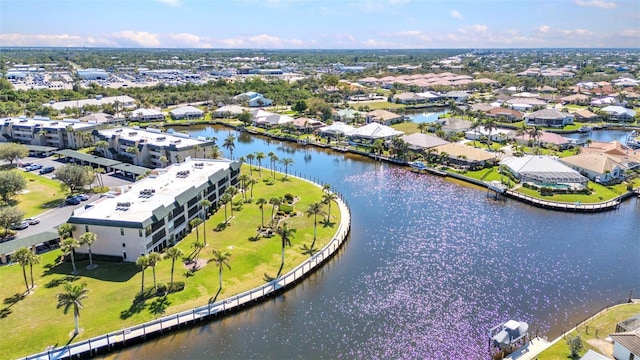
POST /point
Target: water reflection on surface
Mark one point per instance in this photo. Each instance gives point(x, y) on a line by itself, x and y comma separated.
point(430, 266)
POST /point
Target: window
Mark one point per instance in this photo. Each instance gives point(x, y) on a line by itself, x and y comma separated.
point(124, 255)
point(124, 245)
point(86, 228)
point(140, 232)
point(121, 231)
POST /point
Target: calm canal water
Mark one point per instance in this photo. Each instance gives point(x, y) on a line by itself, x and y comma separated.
point(430, 266)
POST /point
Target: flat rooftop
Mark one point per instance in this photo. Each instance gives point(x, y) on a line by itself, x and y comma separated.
point(49, 124)
point(137, 202)
point(154, 137)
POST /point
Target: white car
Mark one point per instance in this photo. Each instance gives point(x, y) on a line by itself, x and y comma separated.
point(32, 221)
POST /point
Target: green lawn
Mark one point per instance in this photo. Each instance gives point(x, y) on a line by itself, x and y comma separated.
point(35, 322)
point(604, 324)
point(490, 174)
point(600, 193)
point(481, 145)
point(376, 105)
point(39, 189)
point(407, 127)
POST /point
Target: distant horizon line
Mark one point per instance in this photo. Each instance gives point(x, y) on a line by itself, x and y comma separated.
point(311, 49)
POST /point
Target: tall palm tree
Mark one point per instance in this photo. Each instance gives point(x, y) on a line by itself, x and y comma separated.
point(232, 191)
point(21, 256)
point(250, 158)
point(286, 234)
point(225, 199)
point(274, 201)
point(33, 260)
point(65, 231)
point(197, 246)
point(422, 127)
point(72, 297)
point(143, 263)
point(535, 133)
point(475, 126)
point(314, 210)
point(68, 245)
point(259, 157)
point(154, 258)
point(221, 259)
point(244, 178)
point(286, 162)
point(251, 183)
point(205, 204)
point(489, 125)
point(261, 202)
point(522, 130)
point(172, 253)
point(273, 158)
point(215, 152)
point(88, 239)
point(328, 198)
point(194, 225)
point(229, 144)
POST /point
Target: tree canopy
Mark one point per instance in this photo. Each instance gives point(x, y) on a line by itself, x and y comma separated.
point(74, 177)
point(12, 152)
point(11, 183)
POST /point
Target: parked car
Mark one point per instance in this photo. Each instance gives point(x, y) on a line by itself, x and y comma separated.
point(19, 225)
point(46, 170)
point(28, 168)
point(23, 165)
point(32, 220)
point(36, 166)
point(83, 197)
point(72, 201)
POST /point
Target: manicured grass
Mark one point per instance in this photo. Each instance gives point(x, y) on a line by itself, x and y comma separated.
point(600, 193)
point(407, 127)
point(490, 174)
point(41, 194)
point(481, 145)
point(36, 323)
point(376, 105)
point(604, 323)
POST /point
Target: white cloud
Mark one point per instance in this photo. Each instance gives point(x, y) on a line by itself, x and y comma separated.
point(597, 3)
point(479, 28)
point(456, 15)
point(62, 40)
point(544, 29)
point(136, 38)
point(188, 40)
point(171, 2)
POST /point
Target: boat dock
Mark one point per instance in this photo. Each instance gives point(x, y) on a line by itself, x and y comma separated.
point(560, 206)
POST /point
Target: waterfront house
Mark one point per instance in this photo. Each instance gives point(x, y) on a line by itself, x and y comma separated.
point(549, 118)
point(307, 125)
point(420, 142)
point(383, 117)
point(266, 119)
point(603, 167)
point(584, 115)
point(147, 115)
point(453, 125)
point(372, 131)
point(253, 99)
point(336, 129)
point(544, 171)
point(505, 114)
point(348, 115)
point(409, 98)
point(496, 134)
point(618, 113)
point(626, 345)
point(229, 111)
point(467, 156)
point(186, 112)
point(546, 139)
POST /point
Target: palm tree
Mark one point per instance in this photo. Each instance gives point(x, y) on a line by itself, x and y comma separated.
point(88, 238)
point(197, 246)
point(489, 125)
point(286, 234)
point(153, 259)
point(286, 162)
point(72, 297)
point(205, 204)
point(251, 183)
point(260, 156)
point(522, 129)
point(261, 202)
point(103, 145)
point(475, 125)
point(215, 152)
point(33, 260)
point(68, 245)
point(315, 209)
point(196, 150)
point(221, 259)
point(535, 133)
point(194, 225)
point(326, 187)
point(225, 199)
point(250, 158)
point(172, 253)
point(143, 262)
point(232, 191)
point(244, 178)
point(229, 144)
point(66, 230)
point(422, 127)
point(274, 201)
point(163, 160)
point(273, 158)
point(328, 198)
point(21, 256)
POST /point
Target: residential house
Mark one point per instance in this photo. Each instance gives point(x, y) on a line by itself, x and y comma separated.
point(229, 111)
point(307, 125)
point(186, 112)
point(457, 96)
point(336, 129)
point(549, 118)
point(348, 115)
point(267, 119)
point(505, 114)
point(372, 131)
point(147, 115)
point(154, 213)
point(584, 115)
point(421, 142)
point(603, 167)
point(626, 345)
point(253, 99)
point(383, 117)
point(578, 99)
point(495, 135)
point(463, 155)
point(453, 125)
point(546, 139)
point(619, 113)
point(409, 98)
point(544, 171)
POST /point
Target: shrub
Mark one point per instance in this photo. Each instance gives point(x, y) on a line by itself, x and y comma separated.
point(177, 286)
point(288, 197)
point(161, 287)
point(286, 209)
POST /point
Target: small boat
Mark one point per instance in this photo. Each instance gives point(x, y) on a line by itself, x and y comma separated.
point(507, 335)
point(418, 165)
point(585, 129)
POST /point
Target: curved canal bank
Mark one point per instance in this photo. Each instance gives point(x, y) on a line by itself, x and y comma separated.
point(429, 267)
point(139, 333)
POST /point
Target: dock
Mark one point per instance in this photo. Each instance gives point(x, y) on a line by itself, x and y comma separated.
point(560, 206)
point(530, 350)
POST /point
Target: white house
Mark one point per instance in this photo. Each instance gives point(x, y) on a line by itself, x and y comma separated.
point(626, 345)
point(253, 99)
point(154, 213)
point(186, 112)
point(496, 135)
point(549, 118)
point(147, 115)
point(543, 171)
point(227, 111)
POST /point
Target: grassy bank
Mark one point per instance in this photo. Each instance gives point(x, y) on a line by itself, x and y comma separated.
point(35, 322)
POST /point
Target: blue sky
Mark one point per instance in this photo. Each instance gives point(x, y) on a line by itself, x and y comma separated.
point(321, 24)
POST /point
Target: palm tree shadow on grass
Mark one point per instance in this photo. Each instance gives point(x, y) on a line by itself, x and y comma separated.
point(306, 250)
point(159, 305)
point(136, 307)
point(328, 223)
point(215, 297)
point(10, 301)
point(63, 280)
point(268, 278)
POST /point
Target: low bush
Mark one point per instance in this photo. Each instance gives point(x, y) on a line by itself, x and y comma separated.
point(285, 209)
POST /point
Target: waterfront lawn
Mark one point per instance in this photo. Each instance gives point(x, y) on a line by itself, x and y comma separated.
point(39, 189)
point(489, 174)
point(35, 322)
point(407, 127)
point(604, 323)
point(600, 193)
point(480, 145)
point(377, 105)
